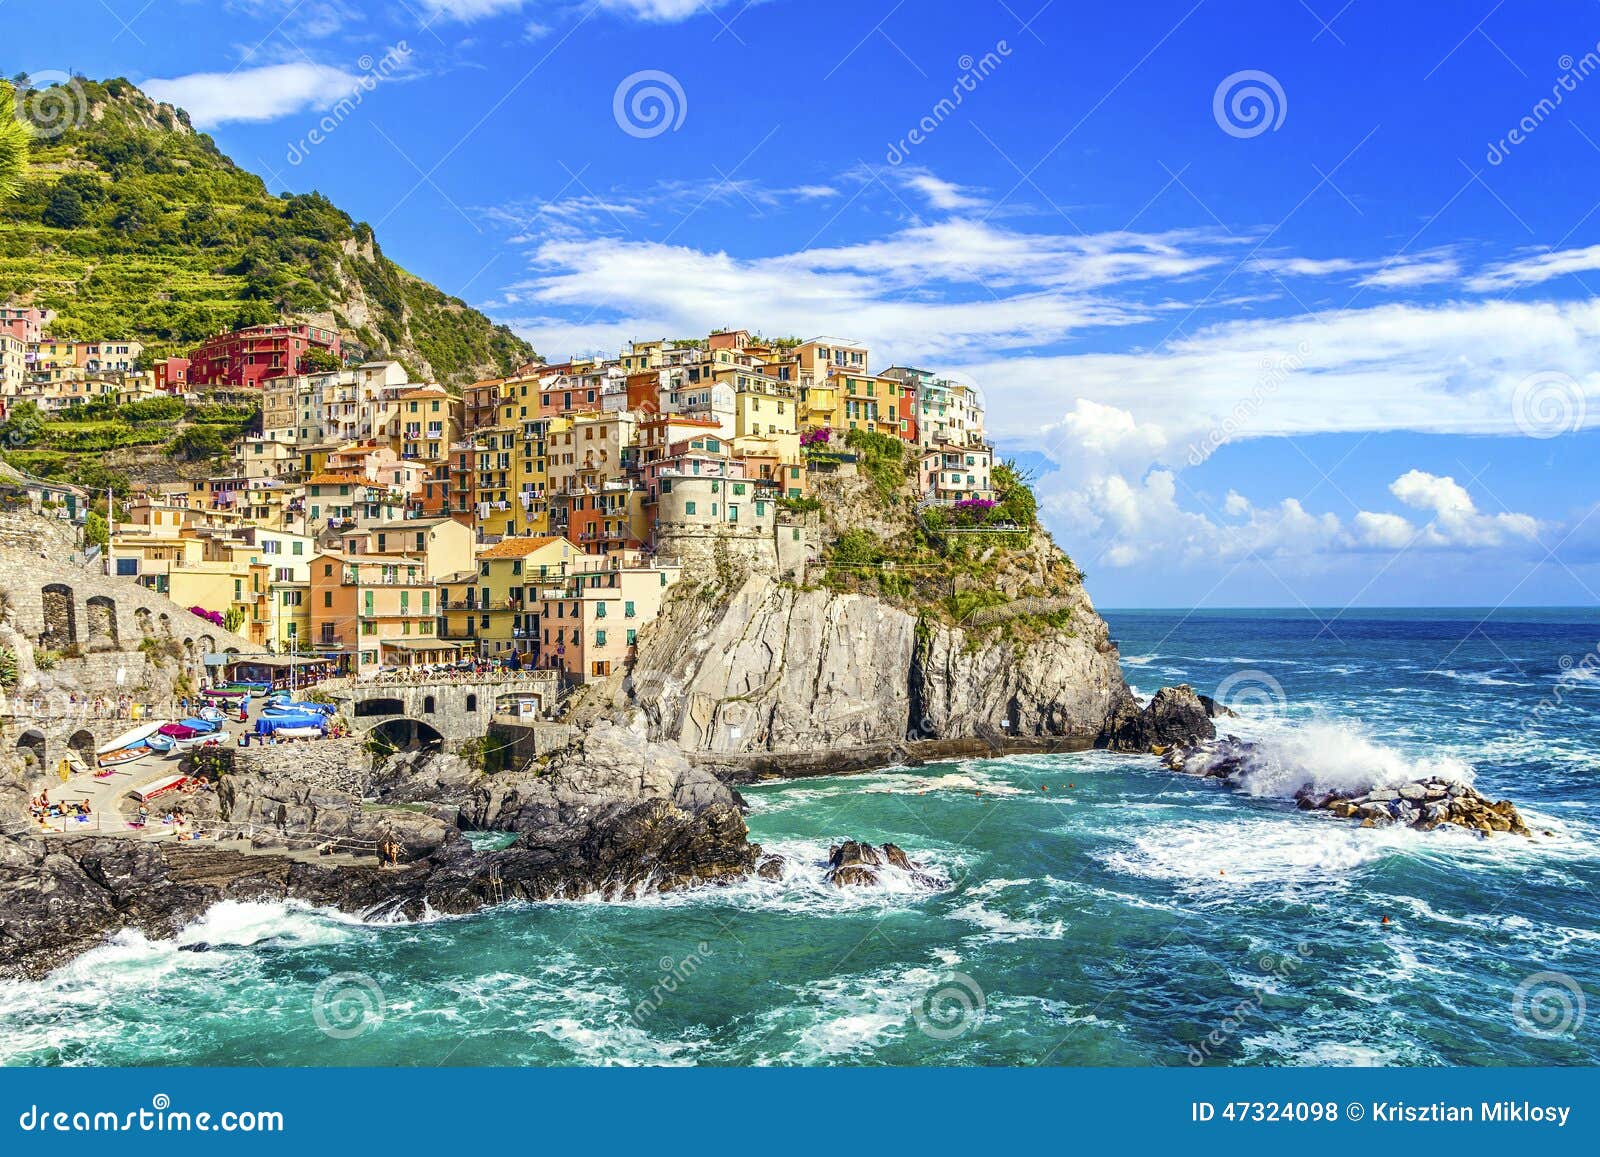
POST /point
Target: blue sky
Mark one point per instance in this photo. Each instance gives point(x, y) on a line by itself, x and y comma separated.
point(1286, 303)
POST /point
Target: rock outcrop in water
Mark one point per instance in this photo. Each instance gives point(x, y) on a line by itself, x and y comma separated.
point(1175, 715)
point(1423, 804)
point(855, 864)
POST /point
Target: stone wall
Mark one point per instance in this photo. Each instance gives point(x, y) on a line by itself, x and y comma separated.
point(94, 628)
point(59, 605)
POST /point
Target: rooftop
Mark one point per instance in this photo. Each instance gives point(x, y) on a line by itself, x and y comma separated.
point(520, 547)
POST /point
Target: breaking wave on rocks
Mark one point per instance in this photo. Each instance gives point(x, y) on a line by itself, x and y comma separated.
point(1334, 755)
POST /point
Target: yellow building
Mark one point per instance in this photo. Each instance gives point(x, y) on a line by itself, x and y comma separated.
point(867, 403)
point(491, 606)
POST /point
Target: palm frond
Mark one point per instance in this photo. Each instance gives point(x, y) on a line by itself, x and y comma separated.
point(15, 141)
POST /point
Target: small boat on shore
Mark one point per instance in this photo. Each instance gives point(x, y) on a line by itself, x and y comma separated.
point(298, 733)
point(133, 738)
point(122, 756)
point(160, 744)
point(212, 715)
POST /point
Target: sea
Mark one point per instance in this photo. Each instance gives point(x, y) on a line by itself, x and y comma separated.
point(1099, 910)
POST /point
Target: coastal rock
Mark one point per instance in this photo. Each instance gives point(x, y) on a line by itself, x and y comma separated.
point(856, 863)
point(1423, 804)
point(1174, 716)
point(614, 816)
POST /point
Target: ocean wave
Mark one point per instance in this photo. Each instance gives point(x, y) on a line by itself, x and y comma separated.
point(803, 888)
point(1222, 856)
point(1480, 678)
point(1334, 755)
point(999, 926)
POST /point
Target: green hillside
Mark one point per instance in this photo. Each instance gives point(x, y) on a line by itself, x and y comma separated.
point(132, 224)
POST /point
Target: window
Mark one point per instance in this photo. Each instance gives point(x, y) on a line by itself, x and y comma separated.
point(733, 512)
point(472, 702)
point(327, 598)
point(632, 637)
point(627, 609)
point(688, 507)
point(327, 569)
point(297, 548)
point(599, 638)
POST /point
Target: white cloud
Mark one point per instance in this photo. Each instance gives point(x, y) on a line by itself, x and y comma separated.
point(941, 194)
point(1536, 269)
point(1406, 273)
point(253, 94)
point(1456, 520)
point(934, 291)
point(1453, 368)
point(1402, 271)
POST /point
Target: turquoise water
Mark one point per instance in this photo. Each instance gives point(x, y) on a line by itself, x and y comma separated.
point(1124, 916)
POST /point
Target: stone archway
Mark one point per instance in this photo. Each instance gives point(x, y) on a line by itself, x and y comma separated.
point(408, 734)
point(60, 617)
point(143, 620)
point(82, 744)
point(166, 623)
point(31, 745)
point(102, 615)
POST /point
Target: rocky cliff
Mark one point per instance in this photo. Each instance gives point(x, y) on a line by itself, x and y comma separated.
point(777, 678)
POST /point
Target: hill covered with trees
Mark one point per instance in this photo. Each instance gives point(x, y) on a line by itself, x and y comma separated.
point(129, 223)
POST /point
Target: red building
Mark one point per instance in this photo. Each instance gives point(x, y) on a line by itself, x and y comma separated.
point(172, 374)
point(243, 358)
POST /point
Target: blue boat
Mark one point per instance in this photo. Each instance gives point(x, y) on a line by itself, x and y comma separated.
point(287, 708)
point(267, 724)
point(202, 725)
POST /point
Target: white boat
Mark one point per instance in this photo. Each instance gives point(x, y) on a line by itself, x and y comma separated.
point(200, 740)
point(132, 738)
point(119, 757)
point(157, 786)
point(298, 732)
